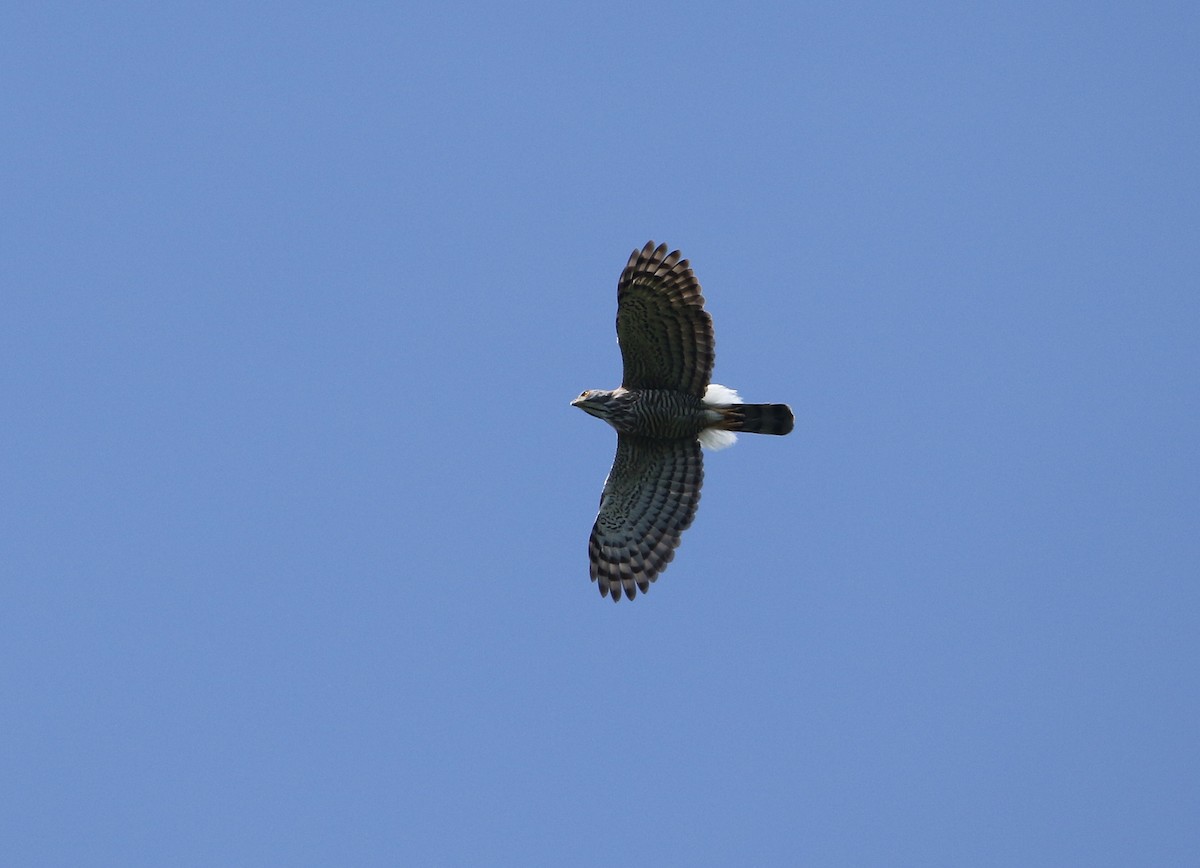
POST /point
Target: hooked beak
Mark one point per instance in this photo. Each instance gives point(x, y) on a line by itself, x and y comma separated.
point(588, 406)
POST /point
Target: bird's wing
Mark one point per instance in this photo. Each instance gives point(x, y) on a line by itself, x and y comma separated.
point(649, 499)
point(665, 334)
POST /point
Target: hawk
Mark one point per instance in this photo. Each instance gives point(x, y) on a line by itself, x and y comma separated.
point(665, 409)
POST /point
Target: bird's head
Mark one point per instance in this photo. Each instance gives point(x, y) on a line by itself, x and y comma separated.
point(597, 402)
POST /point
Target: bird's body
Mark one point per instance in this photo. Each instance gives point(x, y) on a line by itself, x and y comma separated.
point(664, 410)
point(664, 414)
point(659, 413)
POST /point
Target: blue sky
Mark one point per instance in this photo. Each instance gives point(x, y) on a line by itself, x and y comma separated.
point(295, 507)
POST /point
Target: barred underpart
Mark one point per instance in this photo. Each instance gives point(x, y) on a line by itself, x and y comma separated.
point(658, 413)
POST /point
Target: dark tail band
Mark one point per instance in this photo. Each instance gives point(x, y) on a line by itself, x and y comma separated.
point(758, 418)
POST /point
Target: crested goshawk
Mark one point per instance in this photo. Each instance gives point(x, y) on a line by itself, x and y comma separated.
point(663, 411)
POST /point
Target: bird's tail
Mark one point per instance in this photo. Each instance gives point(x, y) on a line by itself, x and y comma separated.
point(756, 418)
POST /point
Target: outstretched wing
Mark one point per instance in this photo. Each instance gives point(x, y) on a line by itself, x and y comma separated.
point(649, 499)
point(665, 334)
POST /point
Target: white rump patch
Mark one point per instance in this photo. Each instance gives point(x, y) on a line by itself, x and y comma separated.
point(717, 395)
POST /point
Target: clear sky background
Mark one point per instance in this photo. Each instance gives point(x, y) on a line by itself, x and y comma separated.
point(295, 508)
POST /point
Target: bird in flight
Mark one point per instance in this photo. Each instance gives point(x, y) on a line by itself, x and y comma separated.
point(665, 409)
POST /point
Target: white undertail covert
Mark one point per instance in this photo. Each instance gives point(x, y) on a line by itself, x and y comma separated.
point(717, 395)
